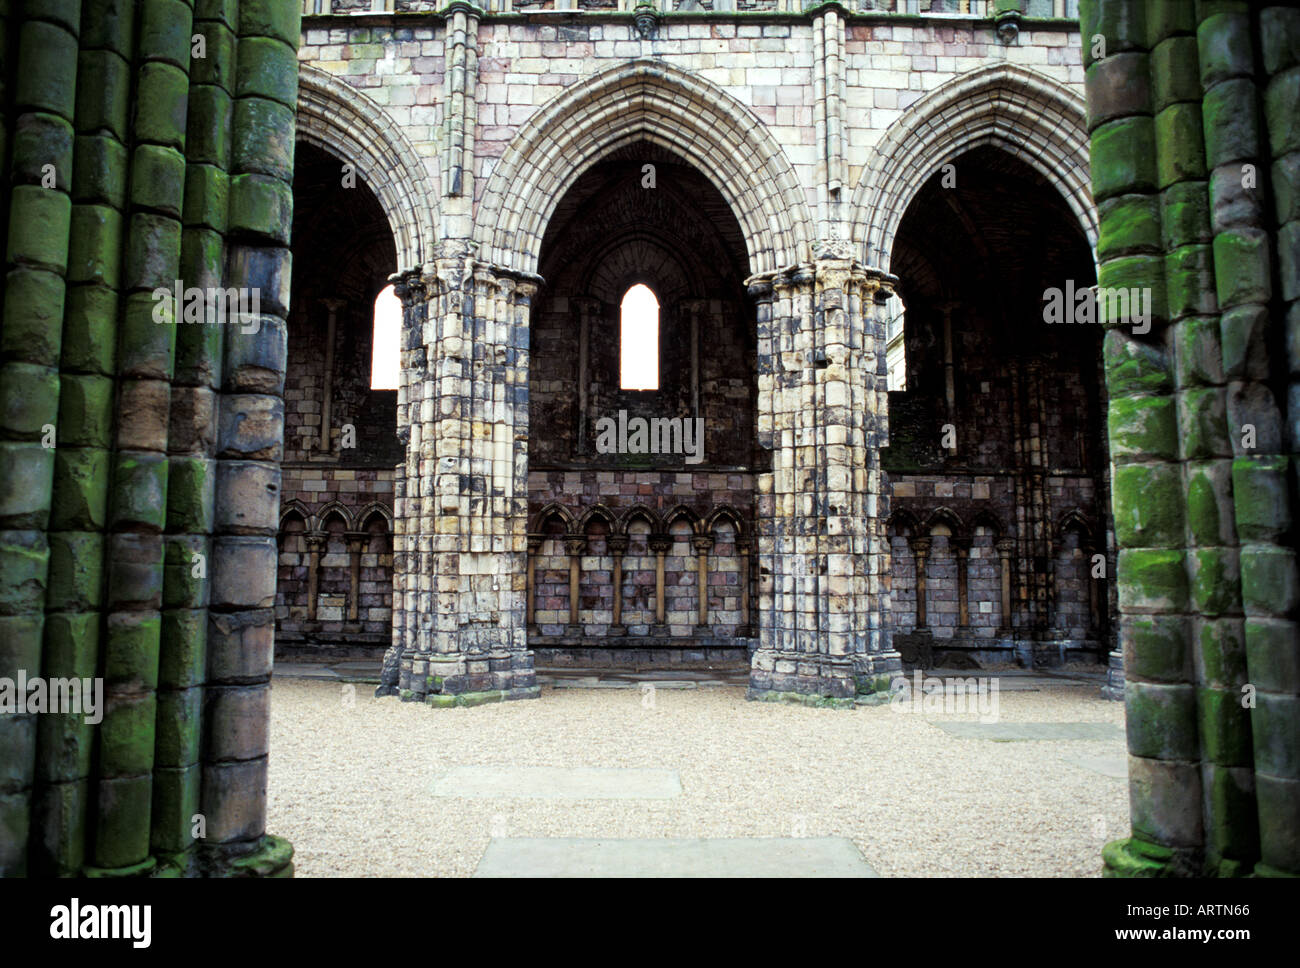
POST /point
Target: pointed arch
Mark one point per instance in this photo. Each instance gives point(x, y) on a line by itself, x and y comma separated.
point(724, 512)
point(335, 509)
point(682, 513)
point(339, 118)
point(372, 510)
point(986, 518)
point(948, 517)
point(296, 509)
point(1025, 113)
point(639, 511)
point(904, 521)
point(597, 512)
point(1075, 520)
point(554, 510)
point(643, 100)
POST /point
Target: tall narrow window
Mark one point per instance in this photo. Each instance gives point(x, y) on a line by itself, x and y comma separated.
point(639, 340)
point(384, 356)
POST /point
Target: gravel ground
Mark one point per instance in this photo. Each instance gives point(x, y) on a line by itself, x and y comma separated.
point(350, 782)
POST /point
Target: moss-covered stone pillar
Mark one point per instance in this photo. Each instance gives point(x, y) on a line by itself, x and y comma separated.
point(1181, 121)
point(133, 385)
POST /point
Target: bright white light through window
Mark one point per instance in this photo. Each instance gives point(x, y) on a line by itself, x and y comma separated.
point(384, 357)
point(639, 340)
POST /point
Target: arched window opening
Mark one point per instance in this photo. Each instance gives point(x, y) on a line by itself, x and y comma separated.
point(639, 340)
point(385, 360)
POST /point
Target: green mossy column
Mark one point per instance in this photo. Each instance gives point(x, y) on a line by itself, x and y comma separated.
point(250, 436)
point(191, 490)
point(85, 429)
point(146, 348)
point(36, 256)
point(1265, 490)
point(127, 443)
point(1202, 500)
point(1164, 781)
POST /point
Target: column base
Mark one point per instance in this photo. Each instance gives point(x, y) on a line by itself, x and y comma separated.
point(1114, 687)
point(472, 680)
point(1133, 857)
point(820, 679)
point(271, 857)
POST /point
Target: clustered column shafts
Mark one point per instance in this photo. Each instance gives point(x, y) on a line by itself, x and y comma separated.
point(822, 630)
point(1208, 588)
point(130, 193)
point(84, 438)
point(466, 413)
point(44, 94)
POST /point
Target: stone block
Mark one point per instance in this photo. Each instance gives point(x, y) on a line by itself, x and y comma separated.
point(131, 644)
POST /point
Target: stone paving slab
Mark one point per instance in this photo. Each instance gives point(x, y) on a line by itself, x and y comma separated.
point(559, 782)
point(663, 857)
point(1022, 732)
point(1112, 766)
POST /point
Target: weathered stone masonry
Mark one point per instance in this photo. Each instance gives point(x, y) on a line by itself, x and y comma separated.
point(139, 460)
point(782, 111)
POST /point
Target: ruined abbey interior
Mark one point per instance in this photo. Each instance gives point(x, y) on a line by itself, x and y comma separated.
point(661, 334)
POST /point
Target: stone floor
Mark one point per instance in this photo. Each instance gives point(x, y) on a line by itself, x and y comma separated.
point(637, 774)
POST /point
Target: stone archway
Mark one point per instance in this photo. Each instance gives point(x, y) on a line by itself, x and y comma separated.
point(643, 100)
point(1026, 114)
point(340, 119)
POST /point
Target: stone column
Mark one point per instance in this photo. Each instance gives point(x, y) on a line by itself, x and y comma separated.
point(410, 290)
point(467, 457)
point(695, 308)
point(920, 552)
point(961, 546)
point(659, 544)
point(534, 547)
point(586, 310)
point(821, 373)
point(1005, 547)
point(316, 542)
point(618, 547)
point(357, 541)
point(702, 544)
point(1204, 492)
point(949, 378)
point(574, 546)
point(325, 440)
point(744, 545)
